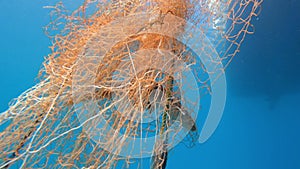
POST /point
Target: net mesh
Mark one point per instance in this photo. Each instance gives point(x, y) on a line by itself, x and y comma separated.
point(117, 63)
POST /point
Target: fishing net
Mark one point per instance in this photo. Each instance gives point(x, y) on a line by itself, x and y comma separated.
point(123, 82)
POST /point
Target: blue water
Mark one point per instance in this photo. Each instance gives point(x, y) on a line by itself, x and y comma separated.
point(261, 123)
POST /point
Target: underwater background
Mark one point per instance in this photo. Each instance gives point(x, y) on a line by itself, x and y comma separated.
point(260, 127)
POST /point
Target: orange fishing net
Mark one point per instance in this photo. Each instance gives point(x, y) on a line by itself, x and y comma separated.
point(112, 90)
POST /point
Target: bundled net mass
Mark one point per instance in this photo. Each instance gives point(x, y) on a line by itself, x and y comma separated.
point(114, 88)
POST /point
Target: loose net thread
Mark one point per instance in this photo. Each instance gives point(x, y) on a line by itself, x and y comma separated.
point(41, 127)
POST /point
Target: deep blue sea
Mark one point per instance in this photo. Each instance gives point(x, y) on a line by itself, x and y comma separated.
point(260, 128)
